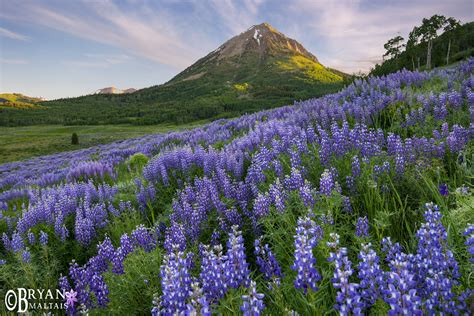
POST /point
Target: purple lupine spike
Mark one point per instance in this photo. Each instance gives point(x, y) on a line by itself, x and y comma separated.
point(362, 227)
point(267, 262)
point(435, 268)
point(212, 277)
point(142, 237)
point(43, 239)
point(326, 182)
point(306, 238)
point(400, 291)
point(469, 232)
point(175, 282)
point(261, 205)
point(348, 299)
point(355, 166)
point(370, 275)
point(31, 238)
point(252, 302)
point(198, 304)
point(237, 269)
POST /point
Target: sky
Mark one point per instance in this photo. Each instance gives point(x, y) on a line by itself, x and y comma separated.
point(66, 48)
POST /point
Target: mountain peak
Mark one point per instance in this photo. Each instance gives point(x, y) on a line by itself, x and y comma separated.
point(264, 25)
point(260, 51)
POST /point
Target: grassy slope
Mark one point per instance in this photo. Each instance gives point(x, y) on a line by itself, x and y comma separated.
point(18, 143)
point(397, 215)
point(133, 291)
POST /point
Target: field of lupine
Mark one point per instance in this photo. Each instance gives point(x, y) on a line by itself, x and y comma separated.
point(358, 202)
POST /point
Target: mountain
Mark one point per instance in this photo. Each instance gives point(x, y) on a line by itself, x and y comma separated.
point(113, 90)
point(18, 101)
point(258, 69)
point(259, 54)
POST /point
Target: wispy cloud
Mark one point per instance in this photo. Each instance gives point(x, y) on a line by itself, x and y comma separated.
point(13, 35)
point(98, 61)
point(141, 32)
point(236, 16)
point(353, 31)
point(9, 61)
point(344, 34)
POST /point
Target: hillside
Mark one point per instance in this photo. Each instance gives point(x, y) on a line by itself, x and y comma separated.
point(355, 203)
point(258, 69)
point(18, 101)
point(462, 47)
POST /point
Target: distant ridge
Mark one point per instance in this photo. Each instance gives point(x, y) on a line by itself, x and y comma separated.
point(114, 90)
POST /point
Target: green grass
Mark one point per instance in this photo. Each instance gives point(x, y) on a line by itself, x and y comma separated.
point(18, 143)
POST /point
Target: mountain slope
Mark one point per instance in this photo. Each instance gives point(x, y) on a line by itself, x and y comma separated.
point(257, 69)
point(18, 101)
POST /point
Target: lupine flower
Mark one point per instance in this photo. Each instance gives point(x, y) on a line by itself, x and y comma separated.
point(350, 183)
point(31, 238)
point(100, 290)
point(43, 238)
point(252, 302)
point(436, 269)
point(277, 195)
point(175, 282)
point(390, 249)
point(26, 256)
point(346, 204)
point(400, 292)
point(326, 183)
point(362, 227)
point(348, 299)
point(6, 242)
point(142, 237)
point(212, 276)
point(370, 275)
point(267, 262)
point(295, 180)
point(17, 243)
point(355, 166)
point(261, 206)
point(469, 232)
point(237, 270)
point(198, 304)
point(462, 190)
point(307, 235)
point(306, 194)
point(443, 190)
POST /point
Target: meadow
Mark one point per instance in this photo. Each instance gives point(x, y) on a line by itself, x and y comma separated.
point(358, 202)
point(23, 142)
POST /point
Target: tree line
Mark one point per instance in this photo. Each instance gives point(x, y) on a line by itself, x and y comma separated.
point(430, 44)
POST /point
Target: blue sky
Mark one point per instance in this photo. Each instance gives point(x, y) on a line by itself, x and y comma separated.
point(74, 47)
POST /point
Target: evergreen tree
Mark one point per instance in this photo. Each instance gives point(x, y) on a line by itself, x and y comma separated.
point(75, 139)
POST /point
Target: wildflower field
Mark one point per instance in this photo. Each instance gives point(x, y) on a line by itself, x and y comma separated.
point(359, 202)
